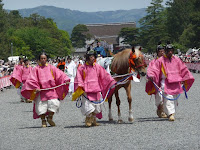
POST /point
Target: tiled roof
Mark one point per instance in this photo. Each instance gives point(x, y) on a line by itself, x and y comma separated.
point(108, 32)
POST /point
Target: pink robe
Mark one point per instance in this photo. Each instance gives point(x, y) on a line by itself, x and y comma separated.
point(25, 73)
point(175, 72)
point(94, 79)
point(16, 77)
point(42, 77)
point(150, 89)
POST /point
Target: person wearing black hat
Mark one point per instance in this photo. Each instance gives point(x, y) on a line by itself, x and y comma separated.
point(61, 64)
point(173, 76)
point(25, 73)
point(91, 84)
point(100, 50)
point(16, 76)
point(160, 50)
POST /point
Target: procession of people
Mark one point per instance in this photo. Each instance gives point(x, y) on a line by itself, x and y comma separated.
point(50, 81)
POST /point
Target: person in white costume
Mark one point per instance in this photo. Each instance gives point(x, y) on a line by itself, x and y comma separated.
point(71, 73)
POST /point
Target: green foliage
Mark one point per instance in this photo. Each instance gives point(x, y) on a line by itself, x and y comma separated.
point(179, 23)
point(183, 21)
point(79, 35)
point(187, 35)
point(31, 35)
point(178, 17)
point(153, 27)
point(129, 35)
point(195, 19)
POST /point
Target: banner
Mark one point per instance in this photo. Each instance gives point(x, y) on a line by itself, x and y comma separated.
point(5, 81)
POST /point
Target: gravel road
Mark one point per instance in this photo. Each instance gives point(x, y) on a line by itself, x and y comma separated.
point(18, 131)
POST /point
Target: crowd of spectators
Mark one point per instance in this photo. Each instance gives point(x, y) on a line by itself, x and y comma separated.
point(6, 68)
point(193, 57)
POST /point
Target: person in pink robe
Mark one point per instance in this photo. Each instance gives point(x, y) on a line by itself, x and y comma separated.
point(40, 87)
point(92, 83)
point(16, 78)
point(26, 70)
point(158, 97)
point(24, 75)
point(171, 74)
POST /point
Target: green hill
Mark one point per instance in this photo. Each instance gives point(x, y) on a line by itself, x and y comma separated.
point(66, 19)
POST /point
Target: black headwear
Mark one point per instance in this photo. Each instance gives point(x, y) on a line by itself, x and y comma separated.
point(69, 57)
point(89, 53)
point(169, 46)
point(159, 47)
point(43, 53)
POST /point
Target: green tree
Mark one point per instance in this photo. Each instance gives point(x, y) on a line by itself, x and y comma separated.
point(187, 35)
point(38, 34)
point(31, 35)
point(129, 35)
point(14, 19)
point(178, 17)
point(4, 43)
point(153, 28)
point(195, 20)
point(78, 36)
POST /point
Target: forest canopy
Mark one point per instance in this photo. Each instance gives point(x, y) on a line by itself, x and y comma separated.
point(29, 36)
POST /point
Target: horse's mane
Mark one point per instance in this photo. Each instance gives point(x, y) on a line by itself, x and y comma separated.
point(120, 63)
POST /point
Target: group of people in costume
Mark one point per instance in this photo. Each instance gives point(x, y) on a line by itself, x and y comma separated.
point(168, 77)
point(20, 75)
point(47, 85)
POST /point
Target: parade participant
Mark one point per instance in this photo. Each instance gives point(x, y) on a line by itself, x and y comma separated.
point(55, 63)
point(16, 79)
point(92, 83)
point(158, 97)
point(71, 73)
point(80, 62)
point(100, 50)
point(25, 73)
point(61, 65)
point(170, 73)
point(40, 87)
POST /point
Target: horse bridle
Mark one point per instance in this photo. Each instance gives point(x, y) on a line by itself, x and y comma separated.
point(143, 64)
point(132, 61)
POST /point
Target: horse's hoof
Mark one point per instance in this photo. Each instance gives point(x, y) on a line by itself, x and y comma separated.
point(130, 119)
point(110, 119)
point(119, 121)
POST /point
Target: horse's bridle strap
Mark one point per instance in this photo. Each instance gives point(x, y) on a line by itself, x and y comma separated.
point(140, 65)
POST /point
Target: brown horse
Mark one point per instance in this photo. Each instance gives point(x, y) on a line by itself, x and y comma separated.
point(121, 65)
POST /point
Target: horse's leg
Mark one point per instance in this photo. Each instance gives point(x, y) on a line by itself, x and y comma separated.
point(128, 93)
point(118, 106)
point(110, 113)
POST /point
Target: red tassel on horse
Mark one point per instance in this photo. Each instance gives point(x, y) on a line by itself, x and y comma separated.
point(138, 76)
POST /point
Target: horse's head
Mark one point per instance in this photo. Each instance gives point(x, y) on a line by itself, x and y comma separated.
point(127, 60)
point(137, 61)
